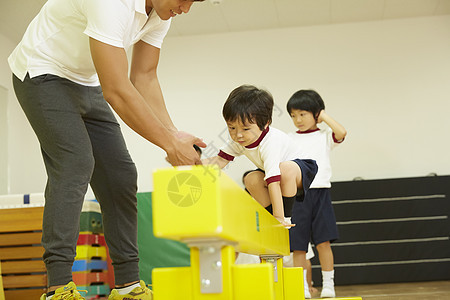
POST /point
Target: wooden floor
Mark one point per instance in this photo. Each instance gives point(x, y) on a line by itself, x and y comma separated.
point(431, 290)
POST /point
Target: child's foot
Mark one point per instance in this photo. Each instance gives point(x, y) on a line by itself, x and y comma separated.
point(328, 291)
point(307, 294)
point(312, 290)
point(328, 285)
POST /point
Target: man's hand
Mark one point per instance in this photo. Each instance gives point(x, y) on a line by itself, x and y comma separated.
point(183, 152)
point(198, 141)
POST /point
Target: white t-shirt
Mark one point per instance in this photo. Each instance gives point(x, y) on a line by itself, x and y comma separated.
point(271, 148)
point(317, 144)
point(57, 40)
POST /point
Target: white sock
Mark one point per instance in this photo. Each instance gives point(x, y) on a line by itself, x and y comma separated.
point(328, 276)
point(305, 285)
point(305, 279)
point(126, 290)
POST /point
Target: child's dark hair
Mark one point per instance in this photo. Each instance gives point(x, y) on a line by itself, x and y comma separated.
point(308, 100)
point(248, 103)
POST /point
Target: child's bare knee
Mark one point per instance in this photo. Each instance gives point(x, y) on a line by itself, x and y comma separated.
point(254, 179)
point(289, 168)
point(323, 246)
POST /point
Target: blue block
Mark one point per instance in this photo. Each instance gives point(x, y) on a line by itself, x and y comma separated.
point(88, 265)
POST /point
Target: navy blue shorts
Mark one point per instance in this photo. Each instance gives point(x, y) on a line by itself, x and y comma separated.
point(314, 220)
point(309, 168)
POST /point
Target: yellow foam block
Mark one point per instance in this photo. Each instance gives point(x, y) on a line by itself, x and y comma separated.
point(203, 202)
point(172, 283)
point(293, 284)
point(253, 281)
point(278, 283)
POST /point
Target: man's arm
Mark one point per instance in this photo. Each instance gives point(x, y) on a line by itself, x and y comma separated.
point(144, 77)
point(112, 68)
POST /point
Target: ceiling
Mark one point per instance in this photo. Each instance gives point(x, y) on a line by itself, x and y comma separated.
point(245, 15)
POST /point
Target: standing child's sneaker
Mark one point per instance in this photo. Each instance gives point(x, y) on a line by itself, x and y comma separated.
point(67, 292)
point(141, 292)
point(328, 285)
point(328, 292)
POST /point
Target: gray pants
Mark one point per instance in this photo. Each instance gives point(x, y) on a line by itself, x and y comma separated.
point(81, 143)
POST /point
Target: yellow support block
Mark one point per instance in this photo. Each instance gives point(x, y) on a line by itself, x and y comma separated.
point(186, 282)
point(172, 283)
point(253, 281)
point(278, 281)
point(228, 257)
point(202, 202)
point(293, 284)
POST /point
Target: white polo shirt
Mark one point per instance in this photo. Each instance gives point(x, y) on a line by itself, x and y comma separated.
point(57, 40)
point(317, 144)
point(267, 152)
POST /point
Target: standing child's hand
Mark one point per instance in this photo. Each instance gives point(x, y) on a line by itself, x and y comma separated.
point(320, 117)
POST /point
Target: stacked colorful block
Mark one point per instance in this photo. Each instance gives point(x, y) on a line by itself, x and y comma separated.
point(90, 269)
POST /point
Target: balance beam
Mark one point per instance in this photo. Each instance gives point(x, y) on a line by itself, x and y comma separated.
point(202, 202)
point(204, 208)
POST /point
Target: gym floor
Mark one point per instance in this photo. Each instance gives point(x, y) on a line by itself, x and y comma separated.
point(431, 290)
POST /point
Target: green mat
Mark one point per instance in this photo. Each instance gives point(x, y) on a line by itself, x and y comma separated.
point(156, 252)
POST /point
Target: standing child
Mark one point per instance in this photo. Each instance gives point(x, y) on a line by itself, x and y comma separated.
point(314, 215)
point(248, 114)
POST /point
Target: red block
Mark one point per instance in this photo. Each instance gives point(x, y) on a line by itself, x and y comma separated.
point(91, 239)
point(111, 280)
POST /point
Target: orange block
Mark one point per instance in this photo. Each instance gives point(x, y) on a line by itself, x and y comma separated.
point(87, 278)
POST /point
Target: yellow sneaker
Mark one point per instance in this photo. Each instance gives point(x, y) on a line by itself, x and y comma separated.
point(67, 292)
point(139, 293)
